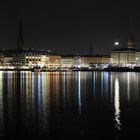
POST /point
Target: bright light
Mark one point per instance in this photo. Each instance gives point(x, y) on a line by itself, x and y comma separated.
point(44, 57)
point(117, 104)
point(116, 43)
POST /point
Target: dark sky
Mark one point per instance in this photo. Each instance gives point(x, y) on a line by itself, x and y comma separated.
point(67, 26)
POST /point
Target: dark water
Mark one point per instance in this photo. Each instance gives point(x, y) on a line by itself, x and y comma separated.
point(98, 105)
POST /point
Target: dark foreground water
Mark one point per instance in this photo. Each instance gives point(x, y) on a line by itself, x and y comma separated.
point(98, 105)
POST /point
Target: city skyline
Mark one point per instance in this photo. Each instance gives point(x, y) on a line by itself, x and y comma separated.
point(70, 69)
point(69, 28)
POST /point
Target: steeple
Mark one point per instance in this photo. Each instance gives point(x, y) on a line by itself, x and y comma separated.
point(131, 40)
point(90, 48)
point(20, 40)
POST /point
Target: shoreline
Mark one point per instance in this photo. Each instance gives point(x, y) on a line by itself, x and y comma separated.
point(75, 70)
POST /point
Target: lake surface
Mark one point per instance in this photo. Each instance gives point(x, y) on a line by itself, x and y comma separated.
point(98, 105)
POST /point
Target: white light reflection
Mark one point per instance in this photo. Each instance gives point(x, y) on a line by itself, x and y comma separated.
point(128, 86)
point(117, 105)
point(1, 99)
point(79, 91)
point(22, 83)
point(64, 86)
point(111, 85)
point(39, 92)
point(102, 84)
point(106, 81)
point(94, 81)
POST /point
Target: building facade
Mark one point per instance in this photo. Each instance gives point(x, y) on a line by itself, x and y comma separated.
point(126, 55)
point(99, 59)
point(67, 61)
point(123, 56)
point(84, 61)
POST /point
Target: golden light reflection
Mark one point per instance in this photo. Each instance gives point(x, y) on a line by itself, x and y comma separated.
point(45, 99)
point(27, 82)
point(54, 88)
point(64, 88)
point(33, 83)
point(117, 105)
point(22, 83)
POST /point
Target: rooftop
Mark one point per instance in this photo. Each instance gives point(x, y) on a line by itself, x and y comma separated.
point(124, 49)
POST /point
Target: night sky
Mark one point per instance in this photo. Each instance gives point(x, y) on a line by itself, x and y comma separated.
point(67, 26)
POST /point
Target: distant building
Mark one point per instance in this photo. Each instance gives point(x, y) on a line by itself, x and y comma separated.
point(126, 55)
point(97, 59)
point(54, 61)
point(34, 57)
point(67, 61)
point(41, 57)
point(1, 58)
point(84, 60)
point(138, 57)
point(7, 61)
point(123, 56)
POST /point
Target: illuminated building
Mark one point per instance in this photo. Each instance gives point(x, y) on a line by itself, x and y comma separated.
point(67, 61)
point(138, 57)
point(54, 61)
point(97, 59)
point(84, 60)
point(1, 57)
point(125, 55)
point(36, 57)
point(41, 58)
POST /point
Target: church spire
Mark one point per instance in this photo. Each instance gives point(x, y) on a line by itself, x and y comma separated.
point(131, 40)
point(20, 40)
point(90, 48)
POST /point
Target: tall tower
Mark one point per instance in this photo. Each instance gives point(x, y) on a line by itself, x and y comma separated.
point(91, 48)
point(131, 43)
point(19, 57)
point(20, 40)
point(131, 40)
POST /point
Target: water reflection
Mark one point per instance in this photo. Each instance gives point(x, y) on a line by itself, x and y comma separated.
point(128, 85)
point(79, 92)
point(1, 101)
point(117, 104)
point(68, 103)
